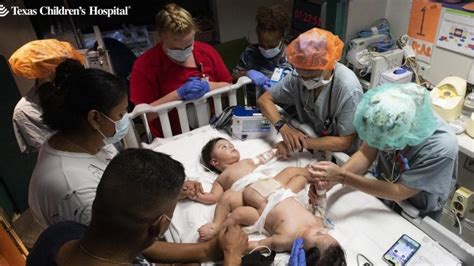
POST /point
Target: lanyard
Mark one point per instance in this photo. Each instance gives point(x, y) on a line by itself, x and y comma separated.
point(200, 67)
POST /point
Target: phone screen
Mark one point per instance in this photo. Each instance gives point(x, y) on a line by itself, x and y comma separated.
point(401, 251)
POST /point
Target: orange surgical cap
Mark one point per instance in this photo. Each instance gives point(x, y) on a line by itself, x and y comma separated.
point(315, 49)
point(39, 59)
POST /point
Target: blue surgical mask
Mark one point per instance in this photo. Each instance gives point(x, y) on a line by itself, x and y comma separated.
point(121, 129)
point(270, 53)
point(180, 55)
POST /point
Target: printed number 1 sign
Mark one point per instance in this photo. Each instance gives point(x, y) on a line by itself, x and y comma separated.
point(424, 20)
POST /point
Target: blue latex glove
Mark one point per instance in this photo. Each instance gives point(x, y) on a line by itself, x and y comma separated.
point(193, 89)
point(268, 85)
point(297, 256)
point(258, 78)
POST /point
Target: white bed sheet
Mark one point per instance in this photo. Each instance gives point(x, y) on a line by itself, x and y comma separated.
point(363, 224)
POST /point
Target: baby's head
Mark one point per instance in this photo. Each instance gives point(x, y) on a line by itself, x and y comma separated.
point(321, 248)
point(219, 153)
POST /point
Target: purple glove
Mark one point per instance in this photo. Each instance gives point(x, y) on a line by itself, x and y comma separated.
point(268, 85)
point(258, 78)
point(193, 89)
point(297, 256)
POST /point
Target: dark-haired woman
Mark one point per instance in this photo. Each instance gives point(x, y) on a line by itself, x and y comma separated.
point(259, 61)
point(87, 109)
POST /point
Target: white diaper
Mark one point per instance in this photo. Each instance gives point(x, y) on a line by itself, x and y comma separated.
point(245, 181)
point(273, 200)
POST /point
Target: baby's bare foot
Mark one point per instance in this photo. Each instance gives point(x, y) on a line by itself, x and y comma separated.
point(207, 231)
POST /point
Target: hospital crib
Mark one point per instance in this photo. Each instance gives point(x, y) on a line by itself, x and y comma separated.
point(436, 231)
point(200, 107)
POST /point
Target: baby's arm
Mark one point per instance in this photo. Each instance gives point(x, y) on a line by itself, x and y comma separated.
point(213, 196)
point(277, 242)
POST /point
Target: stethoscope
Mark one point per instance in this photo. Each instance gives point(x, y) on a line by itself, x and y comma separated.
point(328, 121)
point(403, 164)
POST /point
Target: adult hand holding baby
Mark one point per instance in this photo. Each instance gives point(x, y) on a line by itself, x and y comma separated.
point(326, 171)
point(294, 139)
point(282, 150)
point(191, 189)
point(323, 176)
point(233, 241)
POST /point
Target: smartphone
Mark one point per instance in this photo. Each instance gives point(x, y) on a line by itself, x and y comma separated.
point(401, 252)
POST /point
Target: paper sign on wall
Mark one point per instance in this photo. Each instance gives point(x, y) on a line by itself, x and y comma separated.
point(424, 20)
point(423, 50)
point(456, 32)
point(422, 27)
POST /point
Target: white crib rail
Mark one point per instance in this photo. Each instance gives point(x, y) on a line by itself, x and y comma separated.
point(132, 140)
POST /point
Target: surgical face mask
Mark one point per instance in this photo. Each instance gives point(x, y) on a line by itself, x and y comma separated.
point(180, 55)
point(314, 83)
point(121, 129)
point(168, 221)
point(270, 53)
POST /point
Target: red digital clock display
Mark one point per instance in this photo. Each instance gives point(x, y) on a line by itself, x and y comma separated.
point(307, 18)
point(306, 15)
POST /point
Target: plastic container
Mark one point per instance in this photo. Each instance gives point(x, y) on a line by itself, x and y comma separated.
point(448, 96)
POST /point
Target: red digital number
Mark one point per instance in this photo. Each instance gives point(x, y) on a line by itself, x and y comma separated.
point(306, 17)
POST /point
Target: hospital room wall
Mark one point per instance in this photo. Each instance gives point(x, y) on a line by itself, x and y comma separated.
point(237, 21)
point(362, 14)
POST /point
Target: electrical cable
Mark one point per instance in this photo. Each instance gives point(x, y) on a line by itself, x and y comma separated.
point(458, 221)
point(368, 263)
point(410, 58)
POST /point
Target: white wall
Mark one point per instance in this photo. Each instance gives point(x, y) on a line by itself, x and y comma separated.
point(363, 14)
point(236, 19)
point(398, 13)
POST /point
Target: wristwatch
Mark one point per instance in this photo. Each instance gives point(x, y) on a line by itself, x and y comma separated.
point(279, 124)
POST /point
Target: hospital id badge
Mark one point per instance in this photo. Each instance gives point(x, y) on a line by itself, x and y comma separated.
point(277, 75)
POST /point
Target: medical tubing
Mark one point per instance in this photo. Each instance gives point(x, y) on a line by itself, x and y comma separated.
point(382, 46)
point(259, 247)
point(381, 26)
point(410, 58)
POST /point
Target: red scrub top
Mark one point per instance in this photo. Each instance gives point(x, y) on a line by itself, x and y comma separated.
point(154, 75)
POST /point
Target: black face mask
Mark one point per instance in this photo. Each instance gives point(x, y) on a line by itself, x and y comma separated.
point(257, 258)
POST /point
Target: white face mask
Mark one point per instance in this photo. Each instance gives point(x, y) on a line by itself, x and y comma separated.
point(180, 55)
point(314, 83)
point(270, 53)
point(121, 129)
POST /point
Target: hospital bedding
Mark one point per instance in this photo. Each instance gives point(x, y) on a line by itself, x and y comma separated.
point(363, 224)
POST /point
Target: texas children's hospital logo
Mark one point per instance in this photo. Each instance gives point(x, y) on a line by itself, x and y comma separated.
point(63, 11)
point(3, 11)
